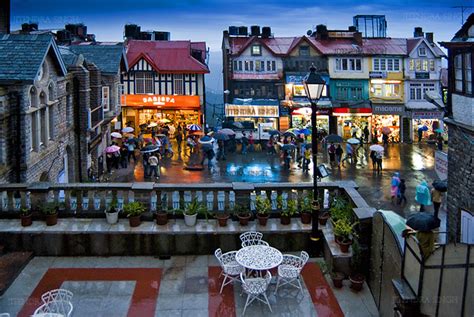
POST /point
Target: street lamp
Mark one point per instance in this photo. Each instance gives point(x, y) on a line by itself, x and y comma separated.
point(314, 85)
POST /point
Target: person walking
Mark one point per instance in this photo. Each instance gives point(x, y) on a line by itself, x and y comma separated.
point(154, 162)
point(131, 150)
point(439, 142)
point(245, 142)
point(379, 158)
point(423, 195)
point(179, 140)
point(123, 156)
point(349, 153)
point(420, 134)
point(339, 152)
point(385, 138)
point(221, 150)
point(401, 192)
point(146, 166)
point(395, 183)
point(287, 158)
point(437, 199)
point(366, 133)
point(373, 157)
point(306, 158)
point(332, 154)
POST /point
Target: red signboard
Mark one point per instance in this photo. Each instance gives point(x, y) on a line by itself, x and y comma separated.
point(161, 101)
point(351, 110)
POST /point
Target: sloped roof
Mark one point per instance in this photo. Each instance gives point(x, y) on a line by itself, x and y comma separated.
point(382, 46)
point(108, 58)
point(277, 46)
point(167, 56)
point(68, 56)
point(413, 43)
point(21, 56)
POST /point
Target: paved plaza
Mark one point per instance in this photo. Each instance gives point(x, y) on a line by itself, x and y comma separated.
point(180, 286)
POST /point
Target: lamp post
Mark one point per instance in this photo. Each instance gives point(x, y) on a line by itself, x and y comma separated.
point(314, 85)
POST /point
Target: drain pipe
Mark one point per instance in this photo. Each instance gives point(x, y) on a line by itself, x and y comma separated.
point(77, 128)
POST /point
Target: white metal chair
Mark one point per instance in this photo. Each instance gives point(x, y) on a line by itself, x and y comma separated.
point(247, 243)
point(289, 271)
point(256, 289)
point(55, 308)
point(57, 294)
point(251, 235)
point(4, 315)
point(230, 268)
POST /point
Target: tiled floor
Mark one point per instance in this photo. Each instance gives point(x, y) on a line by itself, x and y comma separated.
point(181, 286)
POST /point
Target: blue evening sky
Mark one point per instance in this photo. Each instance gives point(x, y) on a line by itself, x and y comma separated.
point(200, 20)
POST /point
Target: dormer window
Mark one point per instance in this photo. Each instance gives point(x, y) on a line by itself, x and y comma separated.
point(256, 50)
point(422, 51)
point(304, 50)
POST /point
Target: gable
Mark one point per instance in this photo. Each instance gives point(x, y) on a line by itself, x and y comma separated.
point(142, 65)
point(428, 49)
point(247, 52)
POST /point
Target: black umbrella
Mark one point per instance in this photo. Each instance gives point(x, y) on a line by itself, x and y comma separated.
point(150, 148)
point(221, 136)
point(441, 186)
point(286, 147)
point(423, 221)
point(274, 132)
point(334, 138)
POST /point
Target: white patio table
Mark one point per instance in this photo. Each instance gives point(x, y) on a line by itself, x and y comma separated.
point(259, 257)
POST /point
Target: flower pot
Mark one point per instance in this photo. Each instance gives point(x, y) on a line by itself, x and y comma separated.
point(262, 219)
point(244, 219)
point(357, 282)
point(51, 220)
point(222, 219)
point(323, 218)
point(112, 217)
point(337, 279)
point(134, 221)
point(161, 218)
point(190, 220)
point(285, 220)
point(306, 217)
point(26, 220)
point(344, 245)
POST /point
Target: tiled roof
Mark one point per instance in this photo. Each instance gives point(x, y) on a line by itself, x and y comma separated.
point(167, 56)
point(277, 45)
point(106, 57)
point(414, 42)
point(21, 55)
point(68, 56)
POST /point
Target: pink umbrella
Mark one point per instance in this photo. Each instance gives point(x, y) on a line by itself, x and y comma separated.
point(112, 149)
point(386, 130)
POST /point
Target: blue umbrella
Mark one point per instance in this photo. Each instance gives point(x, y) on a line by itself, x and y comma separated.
point(221, 136)
point(274, 132)
point(288, 147)
point(206, 139)
point(423, 128)
point(194, 127)
point(333, 138)
point(304, 131)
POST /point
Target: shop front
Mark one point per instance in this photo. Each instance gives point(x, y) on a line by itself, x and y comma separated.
point(427, 124)
point(257, 111)
point(301, 118)
point(386, 119)
point(351, 121)
point(139, 111)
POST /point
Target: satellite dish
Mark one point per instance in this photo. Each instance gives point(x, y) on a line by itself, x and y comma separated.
point(309, 32)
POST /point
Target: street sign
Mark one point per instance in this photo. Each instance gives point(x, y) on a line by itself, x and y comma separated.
point(441, 164)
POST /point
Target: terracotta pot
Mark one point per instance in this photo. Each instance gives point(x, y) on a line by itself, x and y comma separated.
point(51, 220)
point(337, 279)
point(161, 218)
point(134, 221)
point(357, 282)
point(306, 217)
point(244, 219)
point(285, 220)
point(26, 220)
point(344, 245)
point(262, 219)
point(323, 218)
point(222, 219)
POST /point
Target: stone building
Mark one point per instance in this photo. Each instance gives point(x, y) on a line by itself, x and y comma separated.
point(460, 123)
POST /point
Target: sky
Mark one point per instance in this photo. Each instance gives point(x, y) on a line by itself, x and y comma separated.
point(200, 20)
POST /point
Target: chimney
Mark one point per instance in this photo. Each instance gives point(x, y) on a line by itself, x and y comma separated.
point(352, 28)
point(321, 32)
point(418, 32)
point(5, 16)
point(358, 38)
point(430, 37)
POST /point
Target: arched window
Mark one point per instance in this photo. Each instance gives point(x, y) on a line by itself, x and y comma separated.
point(51, 92)
point(33, 97)
point(42, 98)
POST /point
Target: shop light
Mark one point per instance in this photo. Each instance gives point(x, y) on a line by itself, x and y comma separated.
point(384, 81)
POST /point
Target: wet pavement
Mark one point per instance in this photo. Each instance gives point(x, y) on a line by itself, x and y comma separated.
point(415, 162)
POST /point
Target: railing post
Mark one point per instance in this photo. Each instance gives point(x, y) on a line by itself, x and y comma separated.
point(242, 193)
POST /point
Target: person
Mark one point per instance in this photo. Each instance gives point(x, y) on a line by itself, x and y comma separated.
point(207, 153)
point(401, 192)
point(221, 150)
point(373, 157)
point(332, 154)
point(191, 144)
point(379, 157)
point(123, 156)
point(251, 142)
point(423, 195)
point(306, 158)
point(146, 166)
point(348, 153)
point(366, 134)
point(287, 157)
point(339, 152)
point(270, 146)
point(436, 198)
point(394, 186)
point(131, 150)
point(426, 240)
point(179, 140)
point(420, 135)
point(385, 138)
point(153, 161)
point(108, 162)
point(245, 141)
point(439, 142)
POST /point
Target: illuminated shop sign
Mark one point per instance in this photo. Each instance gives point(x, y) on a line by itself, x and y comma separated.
point(251, 111)
point(161, 100)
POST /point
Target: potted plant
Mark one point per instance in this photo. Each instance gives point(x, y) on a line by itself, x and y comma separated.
point(192, 210)
point(357, 278)
point(222, 218)
point(111, 213)
point(133, 210)
point(290, 210)
point(243, 214)
point(50, 211)
point(339, 209)
point(336, 277)
point(343, 232)
point(263, 207)
point(25, 216)
point(161, 217)
point(306, 210)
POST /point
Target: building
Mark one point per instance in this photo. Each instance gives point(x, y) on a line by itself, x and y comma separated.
point(423, 67)
point(165, 81)
point(5, 17)
point(37, 141)
point(253, 76)
point(460, 122)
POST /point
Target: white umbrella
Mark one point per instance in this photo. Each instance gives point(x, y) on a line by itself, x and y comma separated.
point(127, 130)
point(227, 131)
point(353, 141)
point(116, 135)
point(376, 148)
point(152, 125)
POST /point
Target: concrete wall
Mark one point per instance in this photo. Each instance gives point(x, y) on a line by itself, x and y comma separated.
point(463, 109)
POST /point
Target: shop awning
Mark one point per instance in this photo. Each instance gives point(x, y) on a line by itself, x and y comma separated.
point(435, 98)
point(255, 102)
point(420, 105)
point(345, 111)
point(365, 104)
point(161, 101)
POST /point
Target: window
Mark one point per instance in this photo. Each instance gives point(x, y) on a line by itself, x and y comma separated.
point(348, 64)
point(458, 72)
point(235, 66)
point(346, 91)
point(178, 84)
point(251, 66)
point(35, 132)
point(386, 64)
point(304, 50)
point(385, 90)
point(468, 72)
point(121, 93)
point(240, 65)
point(421, 51)
point(256, 50)
point(262, 66)
point(257, 66)
point(51, 92)
point(432, 65)
point(51, 122)
point(105, 98)
point(143, 82)
point(273, 66)
point(418, 90)
point(247, 63)
point(269, 65)
point(44, 116)
point(33, 97)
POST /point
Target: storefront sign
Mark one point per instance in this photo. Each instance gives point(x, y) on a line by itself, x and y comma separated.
point(388, 109)
point(377, 75)
point(422, 75)
point(251, 111)
point(161, 101)
point(441, 164)
point(351, 111)
point(438, 115)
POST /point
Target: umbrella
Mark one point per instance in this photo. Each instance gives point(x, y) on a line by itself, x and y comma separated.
point(353, 141)
point(441, 186)
point(152, 125)
point(274, 132)
point(127, 130)
point(112, 149)
point(196, 133)
point(376, 148)
point(164, 120)
point(226, 131)
point(116, 135)
point(423, 128)
point(194, 127)
point(160, 135)
point(333, 138)
point(238, 125)
point(286, 147)
point(423, 221)
point(386, 130)
point(150, 148)
point(210, 133)
point(221, 136)
point(207, 146)
point(206, 140)
point(303, 111)
point(439, 130)
point(304, 131)
point(289, 133)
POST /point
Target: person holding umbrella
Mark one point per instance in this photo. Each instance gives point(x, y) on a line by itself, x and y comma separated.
point(424, 224)
point(332, 154)
point(423, 195)
point(339, 152)
point(395, 183)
